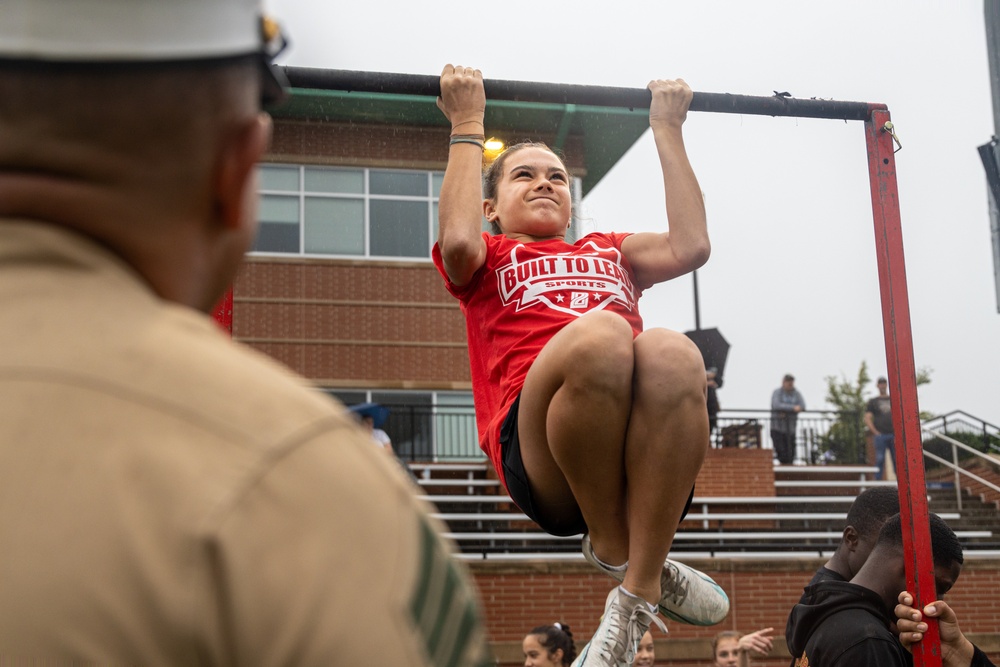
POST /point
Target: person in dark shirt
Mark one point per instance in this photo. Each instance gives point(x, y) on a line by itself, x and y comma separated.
point(712, 400)
point(878, 420)
point(848, 624)
point(786, 404)
point(865, 518)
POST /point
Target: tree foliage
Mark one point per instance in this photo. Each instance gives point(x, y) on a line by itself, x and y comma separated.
point(846, 440)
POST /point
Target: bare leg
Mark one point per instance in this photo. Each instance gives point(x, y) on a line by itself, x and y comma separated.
point(616, 429)
point(665, 446)
point(573, 417)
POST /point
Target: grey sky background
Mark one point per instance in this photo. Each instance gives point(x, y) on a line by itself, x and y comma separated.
point(792, 281)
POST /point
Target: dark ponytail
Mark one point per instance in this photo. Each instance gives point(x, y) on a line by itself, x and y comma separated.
point(557, 636)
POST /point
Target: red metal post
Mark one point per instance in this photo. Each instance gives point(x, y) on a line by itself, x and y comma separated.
point(902, 377)
point(223, 312)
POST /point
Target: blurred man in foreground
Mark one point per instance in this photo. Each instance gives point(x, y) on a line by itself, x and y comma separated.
point(168, 497)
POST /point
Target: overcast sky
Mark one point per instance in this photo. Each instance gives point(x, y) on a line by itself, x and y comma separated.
point(792, 281)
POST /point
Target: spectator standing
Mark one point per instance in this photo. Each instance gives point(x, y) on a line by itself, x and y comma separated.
point(171, 497)
point(865, 518)
point(878, 420)
point(868, 513)
point(849, 624)
point(712, 401)
point(786, 404)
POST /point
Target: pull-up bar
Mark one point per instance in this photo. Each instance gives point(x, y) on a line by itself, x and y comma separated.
point(888, 249)
point(565, 93)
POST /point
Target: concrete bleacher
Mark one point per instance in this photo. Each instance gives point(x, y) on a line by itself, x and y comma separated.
point(525, 575)
point(804, 516)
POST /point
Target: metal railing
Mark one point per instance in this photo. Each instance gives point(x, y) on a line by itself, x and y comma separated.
point(423, 432)
point(442, 432)
point(821, 436)
point(446, 432)
point(945, 431)
point(985, 435)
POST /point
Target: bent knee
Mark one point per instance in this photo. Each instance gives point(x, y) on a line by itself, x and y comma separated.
point(672, 358)
point(600, 334)
point(598, 345)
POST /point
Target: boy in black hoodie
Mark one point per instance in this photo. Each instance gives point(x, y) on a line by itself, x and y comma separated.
point(868, 513)
point(851, 624)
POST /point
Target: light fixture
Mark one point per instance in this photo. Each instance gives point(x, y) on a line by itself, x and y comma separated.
point(492, 147)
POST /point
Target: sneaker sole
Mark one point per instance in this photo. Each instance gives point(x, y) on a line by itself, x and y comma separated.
point(720, 613)
point(665, 579)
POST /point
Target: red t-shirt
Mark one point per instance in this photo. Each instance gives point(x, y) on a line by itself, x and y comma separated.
point(522, 296)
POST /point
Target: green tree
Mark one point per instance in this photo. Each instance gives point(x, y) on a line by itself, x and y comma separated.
point(845, 441)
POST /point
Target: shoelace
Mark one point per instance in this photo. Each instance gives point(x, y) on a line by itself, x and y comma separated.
point(635, 629)
point(676, 587)
point(608, 639)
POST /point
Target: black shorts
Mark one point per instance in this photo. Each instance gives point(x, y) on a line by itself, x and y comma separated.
point(520, 490)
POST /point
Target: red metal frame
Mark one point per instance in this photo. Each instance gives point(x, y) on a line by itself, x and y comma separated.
point(888, 246)
point(223, 312)
point(902, 378)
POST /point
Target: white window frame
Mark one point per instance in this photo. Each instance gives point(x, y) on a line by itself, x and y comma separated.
point(431, 199)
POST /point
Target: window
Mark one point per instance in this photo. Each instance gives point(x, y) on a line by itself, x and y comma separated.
point(347, 212)
point(355, 212)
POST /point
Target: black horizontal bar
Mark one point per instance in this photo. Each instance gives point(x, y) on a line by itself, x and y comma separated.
point(564, 93)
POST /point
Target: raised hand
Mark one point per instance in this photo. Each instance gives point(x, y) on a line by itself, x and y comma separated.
point(463, 98)
point(671, 99)
point(759, 642)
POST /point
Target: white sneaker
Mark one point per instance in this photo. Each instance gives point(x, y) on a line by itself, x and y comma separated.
point(626, 619)
point(687, 595)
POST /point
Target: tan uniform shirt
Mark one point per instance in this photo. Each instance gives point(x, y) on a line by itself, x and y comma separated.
point(168, 497)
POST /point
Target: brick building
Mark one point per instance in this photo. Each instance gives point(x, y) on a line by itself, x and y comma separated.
point(340, 287)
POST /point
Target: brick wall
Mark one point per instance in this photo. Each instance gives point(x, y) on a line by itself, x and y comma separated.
point(352, 144)
point(519, 597)
point(736, 472)
point(988, 473)
point(347, 323)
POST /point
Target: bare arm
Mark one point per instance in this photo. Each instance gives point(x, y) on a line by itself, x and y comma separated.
point(659, 257)
point(758, 643)
point(870, 423)
point(460, 207)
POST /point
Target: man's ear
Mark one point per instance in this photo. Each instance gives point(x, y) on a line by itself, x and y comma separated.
point(851, 538)
point(233, 182)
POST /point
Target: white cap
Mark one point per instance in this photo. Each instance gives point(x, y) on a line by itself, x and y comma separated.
point(129, 30)
point(79, 31)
